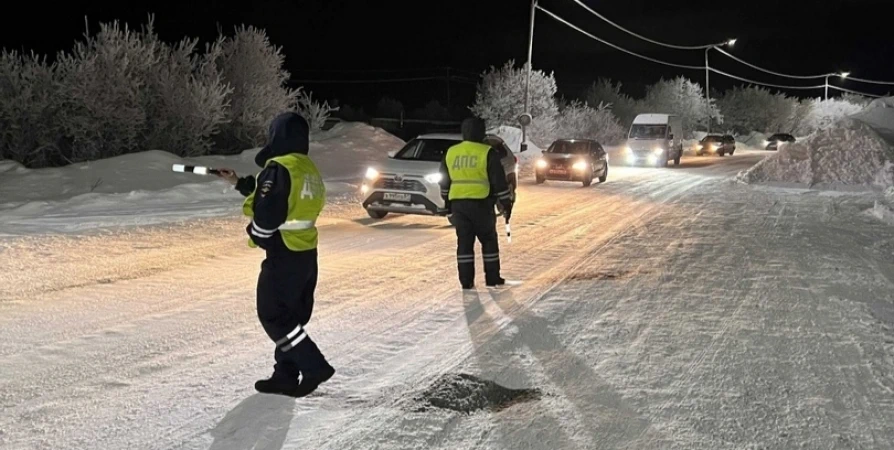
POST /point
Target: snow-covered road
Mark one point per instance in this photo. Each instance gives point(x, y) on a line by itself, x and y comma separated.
point(666, 308)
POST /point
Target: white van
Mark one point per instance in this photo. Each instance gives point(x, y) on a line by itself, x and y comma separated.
point(655, 139)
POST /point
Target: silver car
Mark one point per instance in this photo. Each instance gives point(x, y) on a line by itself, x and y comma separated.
point(407, 182)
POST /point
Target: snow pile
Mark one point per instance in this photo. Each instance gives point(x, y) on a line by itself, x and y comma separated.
point(857, 150)
point(513, 138)
point(141, 188)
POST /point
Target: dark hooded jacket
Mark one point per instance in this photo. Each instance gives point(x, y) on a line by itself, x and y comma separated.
point(289, 133)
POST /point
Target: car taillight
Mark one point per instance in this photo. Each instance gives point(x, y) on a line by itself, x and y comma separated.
point(516, 159)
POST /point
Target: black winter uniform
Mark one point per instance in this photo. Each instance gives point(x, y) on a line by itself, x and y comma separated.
point(288, 279)
point(474, 218)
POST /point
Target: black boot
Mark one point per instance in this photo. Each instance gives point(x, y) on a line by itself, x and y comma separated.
point(496, 282)
point(310, 381)
point(279, 384)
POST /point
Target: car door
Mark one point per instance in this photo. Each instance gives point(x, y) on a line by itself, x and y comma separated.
point(597, 154)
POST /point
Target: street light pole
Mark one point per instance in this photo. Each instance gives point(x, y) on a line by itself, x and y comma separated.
point(827, 87)
point(708, 88)
point(524, 142)
point(730, 43)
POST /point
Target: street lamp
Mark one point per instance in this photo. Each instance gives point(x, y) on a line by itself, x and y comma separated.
point(843, 75)
point(729, 42)
point(527, 114)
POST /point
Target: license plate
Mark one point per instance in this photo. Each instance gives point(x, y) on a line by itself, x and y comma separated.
point(557, 172)
point(394, 197)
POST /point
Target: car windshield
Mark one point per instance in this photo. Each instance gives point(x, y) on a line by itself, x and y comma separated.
point(648, 131)
point(711, 139)
point(569, 147)
point(431, 150)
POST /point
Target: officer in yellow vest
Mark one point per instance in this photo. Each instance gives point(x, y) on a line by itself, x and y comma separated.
point(284, 202)
point(472, 180)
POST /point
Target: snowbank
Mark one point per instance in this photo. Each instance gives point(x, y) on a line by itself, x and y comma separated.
point(855, 151)
point(141, 188)
point(513, 138)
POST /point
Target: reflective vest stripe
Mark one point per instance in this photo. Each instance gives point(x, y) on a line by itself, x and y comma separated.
point(298, 225)
point(481, 182)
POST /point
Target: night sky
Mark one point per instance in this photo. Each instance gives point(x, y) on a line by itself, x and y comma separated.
point(363, 40)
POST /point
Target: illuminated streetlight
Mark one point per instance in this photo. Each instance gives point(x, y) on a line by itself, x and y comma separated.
point(730, 43)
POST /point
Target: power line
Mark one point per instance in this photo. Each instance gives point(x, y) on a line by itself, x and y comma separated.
point(663, 44)
point(780, 86)
point(890, 83)
point(556, 17)
point(386, 80)
point(855, 92)
point(799, 77)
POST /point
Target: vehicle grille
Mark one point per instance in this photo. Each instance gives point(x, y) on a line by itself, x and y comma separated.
point(403, 185)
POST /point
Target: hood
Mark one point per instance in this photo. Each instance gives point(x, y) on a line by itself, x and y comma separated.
point(403, 167)
point(289, 133)
point(474, 130)
point(645, 144)
point(551, 156)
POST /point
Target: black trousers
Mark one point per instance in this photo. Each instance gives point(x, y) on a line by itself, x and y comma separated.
point(476, 219)
point(285, 294)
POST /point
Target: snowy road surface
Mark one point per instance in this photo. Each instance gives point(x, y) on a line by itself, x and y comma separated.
point(665, 308)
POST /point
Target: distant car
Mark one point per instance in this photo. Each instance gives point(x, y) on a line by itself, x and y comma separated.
point(407, 182)
point(716, 144)
point(573, 160)
point(773, 142)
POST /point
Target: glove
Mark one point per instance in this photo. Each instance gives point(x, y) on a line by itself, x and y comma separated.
point(507, 209)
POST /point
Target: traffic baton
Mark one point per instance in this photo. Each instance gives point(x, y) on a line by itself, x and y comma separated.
point(508, 232)
point(199, 170)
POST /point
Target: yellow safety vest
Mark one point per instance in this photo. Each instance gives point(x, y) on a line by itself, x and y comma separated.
point(306, 201)
point(467, 167)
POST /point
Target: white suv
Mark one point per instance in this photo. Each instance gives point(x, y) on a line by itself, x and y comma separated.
point(407, 182)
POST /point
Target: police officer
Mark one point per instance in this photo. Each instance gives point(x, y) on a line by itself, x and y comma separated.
point(472, 180)
point(284, 202)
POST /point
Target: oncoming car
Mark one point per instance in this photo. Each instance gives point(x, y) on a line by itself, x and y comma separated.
point(572, 160)
point(716, 144)
point(775, 141)
point(407, 183)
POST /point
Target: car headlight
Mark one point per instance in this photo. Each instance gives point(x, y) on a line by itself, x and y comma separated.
point(766, 143)
point(433, 178)
point(713, 147)
point(628, 150)
point(372, 174)
point(580, 165)
point(658, 151)
point(541, 164)
point(699, 147)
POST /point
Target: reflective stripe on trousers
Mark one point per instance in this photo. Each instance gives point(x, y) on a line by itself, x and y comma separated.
point(287, 343)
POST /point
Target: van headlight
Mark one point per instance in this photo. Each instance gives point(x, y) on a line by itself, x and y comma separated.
point(628, 150)
point(372, 174)
point(658, 151)
point(433, 178)
point(580, 166)
point(541, 164)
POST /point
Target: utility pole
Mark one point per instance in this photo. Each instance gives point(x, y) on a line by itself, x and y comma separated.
point(524, 142)
point(708, 88)
point(448, 89)
point(827, 87)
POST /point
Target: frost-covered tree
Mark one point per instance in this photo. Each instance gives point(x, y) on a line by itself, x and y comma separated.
point(856, 99)
point(30, 125)
point(748, 109)
point(501, 95)
point(824, 113)
point(580, 121)
point(684, 98)
point(389, 107)
point(102, 82)
point(253, 68)
point(314, 112)
point(622, 105)
point(185, 98)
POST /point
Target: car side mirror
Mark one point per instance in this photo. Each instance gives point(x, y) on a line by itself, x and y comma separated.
point(392, 153)
point(523, 147)
point(671, 136)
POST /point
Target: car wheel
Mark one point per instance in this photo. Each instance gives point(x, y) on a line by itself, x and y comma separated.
point(539, 179)
point(376, 214)
point(588, 180)
point(721, 153)
point(604, 174)
point(677, 159)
